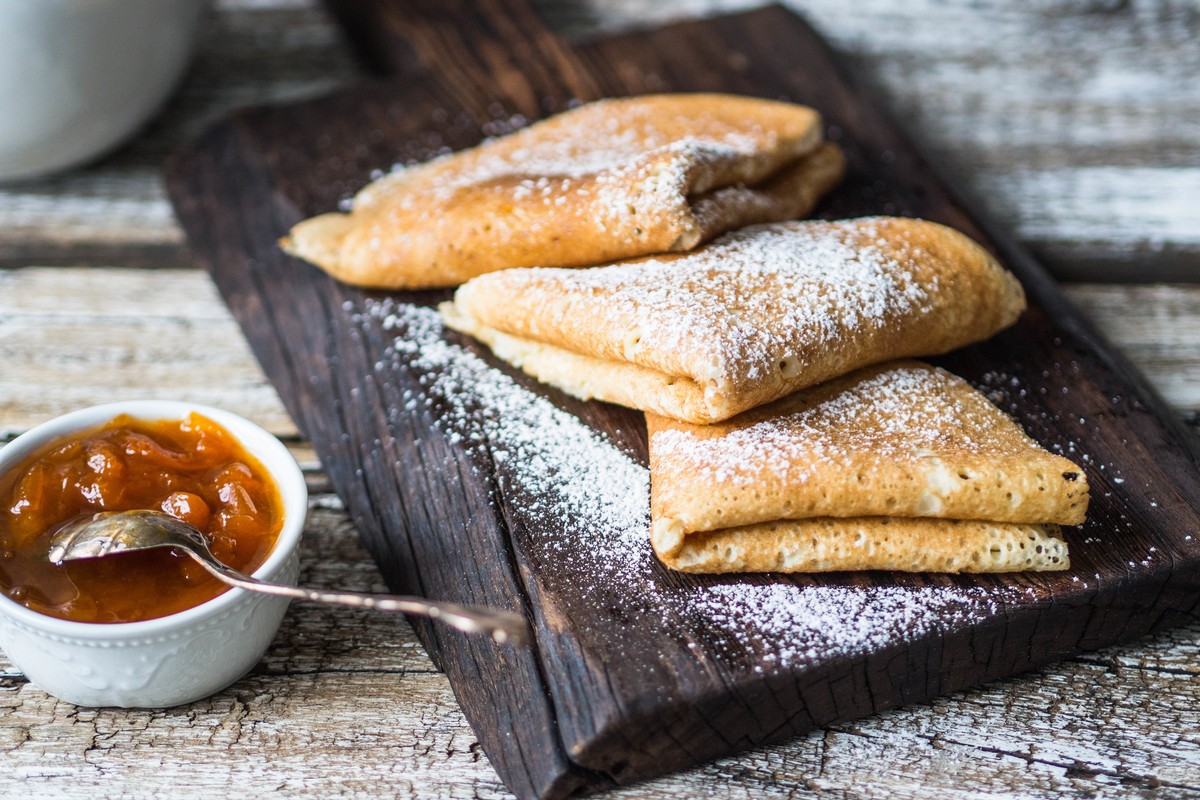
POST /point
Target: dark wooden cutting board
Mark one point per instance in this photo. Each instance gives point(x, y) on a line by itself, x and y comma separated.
point(469, 482)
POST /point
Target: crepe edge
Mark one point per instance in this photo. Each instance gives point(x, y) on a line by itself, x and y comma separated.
point(791, 191)
point(896, 544)
point(1020, 483)
point(593, 378)
point(329, 240)
point(318, 240)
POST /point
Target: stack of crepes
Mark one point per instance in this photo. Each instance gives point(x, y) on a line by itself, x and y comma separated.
point(784, 433)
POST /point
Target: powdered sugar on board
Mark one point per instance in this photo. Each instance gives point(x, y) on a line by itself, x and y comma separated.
point(581, 508)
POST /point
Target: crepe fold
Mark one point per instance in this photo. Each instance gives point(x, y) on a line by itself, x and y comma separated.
point(900, 466)
point(746, 319)
point(609, 180)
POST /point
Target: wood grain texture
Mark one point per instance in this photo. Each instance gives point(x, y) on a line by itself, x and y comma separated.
point(349, 723)
point(123, 332)
point(114, 212)
point(500, 49)
point(627, 713)
point(1074, 123)
point(364, 713)
point(113, 334)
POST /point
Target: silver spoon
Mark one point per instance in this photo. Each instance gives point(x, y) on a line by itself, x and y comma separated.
point(111, 532)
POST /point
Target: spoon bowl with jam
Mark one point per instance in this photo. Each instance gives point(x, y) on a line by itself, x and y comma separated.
point(190, 468)
point(152, 628)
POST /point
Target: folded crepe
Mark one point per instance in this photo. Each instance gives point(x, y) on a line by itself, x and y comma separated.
point(749, 318)
point(609, 180)
point(899, 466)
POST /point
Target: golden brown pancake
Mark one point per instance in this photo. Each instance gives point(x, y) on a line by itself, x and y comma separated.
point(746, 319)
point(610, 180)
point(900, 466)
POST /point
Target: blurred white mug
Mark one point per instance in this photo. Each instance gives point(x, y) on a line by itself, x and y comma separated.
point(77, 77)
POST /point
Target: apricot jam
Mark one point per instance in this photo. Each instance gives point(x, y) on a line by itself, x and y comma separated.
point(192, 469)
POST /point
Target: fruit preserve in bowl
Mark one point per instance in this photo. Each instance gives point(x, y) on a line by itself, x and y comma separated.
point(151, 628)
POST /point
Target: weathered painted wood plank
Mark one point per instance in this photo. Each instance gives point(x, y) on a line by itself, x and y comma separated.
point(115, 211)
point(303, 686)
point(71, 338)
point(627, 712)
point(347, 703)
point(1076, 124)
point(118, 333)
point(1067, 118)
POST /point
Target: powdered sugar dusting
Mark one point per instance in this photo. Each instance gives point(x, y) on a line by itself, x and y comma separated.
point(758, 302)
point(903, 412)
point(602, 137)
point(616, 157)
point(581, 511)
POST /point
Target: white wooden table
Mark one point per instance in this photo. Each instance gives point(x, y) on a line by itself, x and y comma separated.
point(1075, 123)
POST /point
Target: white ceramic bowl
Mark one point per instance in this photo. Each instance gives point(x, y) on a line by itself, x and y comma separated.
point(79, 76)
point(174, 659)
